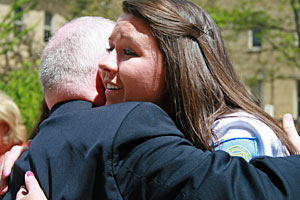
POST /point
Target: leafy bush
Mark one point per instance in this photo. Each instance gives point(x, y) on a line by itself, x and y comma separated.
point(23, 86)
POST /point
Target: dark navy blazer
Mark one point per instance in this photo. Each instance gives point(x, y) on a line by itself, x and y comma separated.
point(134, 151)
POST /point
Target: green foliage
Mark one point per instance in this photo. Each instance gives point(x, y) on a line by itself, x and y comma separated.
point(24, 87)
point(19, 77)
point(110, 9)
point(10, 35)
point(277, 30)
point(278, 27)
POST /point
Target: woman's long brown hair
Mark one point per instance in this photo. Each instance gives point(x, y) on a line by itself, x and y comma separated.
point(202, 83)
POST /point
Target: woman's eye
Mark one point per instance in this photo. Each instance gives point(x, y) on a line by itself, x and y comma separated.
point(110, 49)
point(129, 52)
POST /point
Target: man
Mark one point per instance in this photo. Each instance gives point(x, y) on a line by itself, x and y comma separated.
point(131, 150)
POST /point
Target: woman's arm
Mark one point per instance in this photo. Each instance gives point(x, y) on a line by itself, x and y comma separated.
point(36, 192)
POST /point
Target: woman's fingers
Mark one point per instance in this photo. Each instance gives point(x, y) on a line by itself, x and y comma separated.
point(32, 189)
point(7, 165)
point(22, 193)
point(10, 159)
point(290, 129)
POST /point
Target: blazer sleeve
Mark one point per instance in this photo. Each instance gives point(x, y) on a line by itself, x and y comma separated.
point(152, 160)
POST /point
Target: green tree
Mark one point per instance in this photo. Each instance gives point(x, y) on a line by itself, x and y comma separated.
point(19, 69)
point(281, 31)
point(110, 9)
point(15, 37)
point(277, 25)
point(24, 87)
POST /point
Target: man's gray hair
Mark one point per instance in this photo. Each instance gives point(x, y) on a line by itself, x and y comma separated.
point(72, 55)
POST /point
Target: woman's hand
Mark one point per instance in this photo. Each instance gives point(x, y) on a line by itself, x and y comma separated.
point(8, 163)
point(31, 190)
point(290, 129)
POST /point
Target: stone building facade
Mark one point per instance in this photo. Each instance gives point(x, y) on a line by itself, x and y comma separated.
point(279, 95)
point(44, 20)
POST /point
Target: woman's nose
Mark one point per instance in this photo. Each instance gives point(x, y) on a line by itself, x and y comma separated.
point(109, 62)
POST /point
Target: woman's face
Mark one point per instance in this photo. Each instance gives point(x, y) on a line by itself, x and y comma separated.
point(133, 70)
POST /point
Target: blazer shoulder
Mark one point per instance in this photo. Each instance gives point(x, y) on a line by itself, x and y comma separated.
point(147, 116)
point(143, 123)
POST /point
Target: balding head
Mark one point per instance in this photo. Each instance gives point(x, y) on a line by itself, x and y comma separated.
point(69, 62)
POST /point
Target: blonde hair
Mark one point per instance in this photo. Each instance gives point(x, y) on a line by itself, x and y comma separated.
point(10, 114)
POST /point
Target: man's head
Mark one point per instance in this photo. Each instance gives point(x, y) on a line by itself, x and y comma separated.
point(69, 62)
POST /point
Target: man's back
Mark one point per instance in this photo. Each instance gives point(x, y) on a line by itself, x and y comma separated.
point(71, 155)
point(134, 151)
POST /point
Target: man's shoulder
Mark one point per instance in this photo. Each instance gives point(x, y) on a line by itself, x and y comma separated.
point(81, 107)
point(133, 113)
point(75, 121)
point(128, 109)
point(145, 120)
point(128, 106)
point(107, 121)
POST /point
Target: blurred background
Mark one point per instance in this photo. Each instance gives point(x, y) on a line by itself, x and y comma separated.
point(262, 37)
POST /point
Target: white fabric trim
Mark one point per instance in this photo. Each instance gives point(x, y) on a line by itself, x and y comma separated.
point(242, 124)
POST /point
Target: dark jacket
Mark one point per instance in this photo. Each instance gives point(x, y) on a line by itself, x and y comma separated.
point(134, 151)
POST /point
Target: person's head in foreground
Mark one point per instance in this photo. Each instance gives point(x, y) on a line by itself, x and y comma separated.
point(12, 128)
point(170, 52)
point(69, 62)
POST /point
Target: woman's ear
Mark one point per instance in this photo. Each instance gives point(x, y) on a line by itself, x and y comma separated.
point(5, 128)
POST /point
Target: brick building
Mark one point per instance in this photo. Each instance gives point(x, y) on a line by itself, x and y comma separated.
point(252, 56)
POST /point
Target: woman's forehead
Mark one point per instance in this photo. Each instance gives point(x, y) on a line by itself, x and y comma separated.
point(128, 26)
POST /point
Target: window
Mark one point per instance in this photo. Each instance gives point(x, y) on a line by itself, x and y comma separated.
point(47, 26)
point(255, 39)
point(257, 90)
point(18, 20)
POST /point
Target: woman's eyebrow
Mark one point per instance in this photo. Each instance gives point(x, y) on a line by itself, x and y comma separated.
point(123, 36)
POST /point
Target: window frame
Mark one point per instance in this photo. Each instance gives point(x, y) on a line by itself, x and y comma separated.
point(252, 47)
point(47, 26)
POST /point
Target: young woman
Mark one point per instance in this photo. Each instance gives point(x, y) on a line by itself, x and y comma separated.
point(170, 52)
